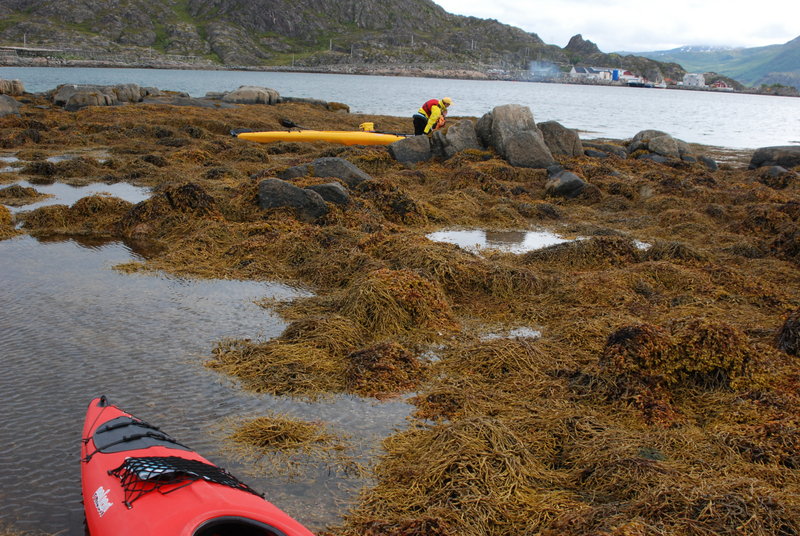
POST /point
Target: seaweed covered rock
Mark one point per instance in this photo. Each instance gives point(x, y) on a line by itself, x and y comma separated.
point(8, 106)
point(787, 156)
point(332, 192)
point(17, 196)
point(275, 193)
point(705, 352)
point(474, 476)
point(564, 184)
point(164, 209)
point(788, 338)
point(382, 370)
point(335, 167)
point(97, 215)
point(594, 252)
point(394, 302)
point(6, 224)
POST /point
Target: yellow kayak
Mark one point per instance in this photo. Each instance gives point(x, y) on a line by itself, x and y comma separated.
point(357, 137)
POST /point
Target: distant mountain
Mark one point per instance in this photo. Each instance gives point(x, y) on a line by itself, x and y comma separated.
point(584, 52)
point(773, 64)
point(303, 33)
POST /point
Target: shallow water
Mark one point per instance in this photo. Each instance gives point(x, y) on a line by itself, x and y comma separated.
point(65, 194)
point(509, 241)
point(72, 328)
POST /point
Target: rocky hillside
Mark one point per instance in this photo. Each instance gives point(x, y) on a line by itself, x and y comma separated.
point(584, 52)
point(303, 33)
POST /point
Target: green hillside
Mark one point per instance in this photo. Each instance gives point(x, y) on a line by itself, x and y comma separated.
point(750, 66)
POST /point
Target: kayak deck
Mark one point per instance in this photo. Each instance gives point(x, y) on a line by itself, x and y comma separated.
point(334, 136)
point(137, 481)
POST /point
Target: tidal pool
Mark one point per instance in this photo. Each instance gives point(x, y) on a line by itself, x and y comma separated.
point(73, 328)
point(509, 241)
point(64, 194)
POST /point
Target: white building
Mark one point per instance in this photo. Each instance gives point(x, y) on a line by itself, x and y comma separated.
point(694, 80)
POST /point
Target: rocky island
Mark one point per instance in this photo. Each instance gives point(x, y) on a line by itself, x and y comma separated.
point(655, 390)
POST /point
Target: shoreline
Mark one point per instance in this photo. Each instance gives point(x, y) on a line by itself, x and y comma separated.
point(377, 70)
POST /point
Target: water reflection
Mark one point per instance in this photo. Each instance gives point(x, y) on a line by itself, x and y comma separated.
point(73, 328)
point(65, 194)
point(510, 241)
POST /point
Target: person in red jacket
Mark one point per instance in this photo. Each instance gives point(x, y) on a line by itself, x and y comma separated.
point(431, 115)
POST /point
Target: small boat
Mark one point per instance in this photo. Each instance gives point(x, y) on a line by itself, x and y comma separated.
point(137, 480)
point(357, 137)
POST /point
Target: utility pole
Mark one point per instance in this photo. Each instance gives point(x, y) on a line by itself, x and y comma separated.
point(330, 44)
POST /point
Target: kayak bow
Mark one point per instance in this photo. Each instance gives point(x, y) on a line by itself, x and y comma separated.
point(137, 480)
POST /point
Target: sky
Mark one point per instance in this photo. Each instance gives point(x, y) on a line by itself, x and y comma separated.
point(636, 26)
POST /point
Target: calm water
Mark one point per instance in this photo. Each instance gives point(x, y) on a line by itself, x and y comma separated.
point(712, 118)
point(510, 241)
point(72, 328)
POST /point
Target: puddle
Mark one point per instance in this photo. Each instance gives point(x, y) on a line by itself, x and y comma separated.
point(522, 332)
point(64, 194)
point(509, 241)
point(9, 160)
point(74, 328)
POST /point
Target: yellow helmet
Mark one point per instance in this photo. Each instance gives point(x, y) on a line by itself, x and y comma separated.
point(447, 101)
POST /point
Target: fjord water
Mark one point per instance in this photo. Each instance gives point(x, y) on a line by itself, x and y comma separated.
point(712, 118)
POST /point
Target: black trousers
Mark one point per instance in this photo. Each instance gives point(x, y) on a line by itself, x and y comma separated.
point(419, 123)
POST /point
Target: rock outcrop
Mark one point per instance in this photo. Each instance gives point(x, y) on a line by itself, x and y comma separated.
point(787, 156)
point(252, 95)
point(511, 130)
point(11, 87)
point(458, 137)
point(332, 192)
point(411, 150)
point(562, 183)
point(275, 193)
point(338, 168)
point(74, 96)
point(8, 106)
point(560, 139)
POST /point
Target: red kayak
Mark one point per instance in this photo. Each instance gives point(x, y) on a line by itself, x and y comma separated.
point(137, 480)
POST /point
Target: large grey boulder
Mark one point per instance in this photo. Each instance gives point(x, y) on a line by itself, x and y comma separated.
point(411, 150)
point(564, 184)
point(560, 139)
point(332, 192)
point(665, 146)
point(458, 137)
point(275, 193)
point(252, 95)
point(338, 168)
point(661, 144)
point(8, 106)
point(511, 130)
point(787, 156)
point(11, 87)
